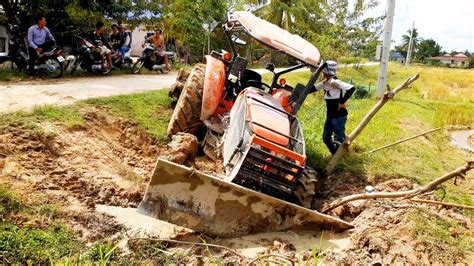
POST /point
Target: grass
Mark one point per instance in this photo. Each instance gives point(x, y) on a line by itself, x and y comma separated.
point(151, 110)
point(31, 244)
point(68, 115)
point(445, 236)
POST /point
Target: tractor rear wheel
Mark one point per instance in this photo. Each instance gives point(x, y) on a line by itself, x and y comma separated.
point(186, 116)
point(306, 188)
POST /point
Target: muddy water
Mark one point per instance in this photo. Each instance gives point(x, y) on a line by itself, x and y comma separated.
point(249, 246)
point(303, 241)
point(461, 139)
point(139, 224)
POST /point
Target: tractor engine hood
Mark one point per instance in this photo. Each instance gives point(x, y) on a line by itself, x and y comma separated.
point(275, 37)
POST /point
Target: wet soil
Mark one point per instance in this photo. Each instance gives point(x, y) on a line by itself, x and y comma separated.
point(463, 139)
point(97, 173)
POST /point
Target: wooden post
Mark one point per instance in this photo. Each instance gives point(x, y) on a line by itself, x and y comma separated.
point(461, 171)
point(344, 147)
point(406, 139)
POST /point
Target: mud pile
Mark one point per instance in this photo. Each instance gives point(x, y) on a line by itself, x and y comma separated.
point(106, 161)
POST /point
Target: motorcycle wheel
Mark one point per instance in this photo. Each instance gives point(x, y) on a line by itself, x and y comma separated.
point(105, 67)
point(74, 67)
point(166, 70)
point(127, 64)
point(57, 72)
point(137, 66)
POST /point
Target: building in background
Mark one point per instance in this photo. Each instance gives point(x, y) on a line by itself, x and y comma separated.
point(459, 60)
point(138, 37)
point(3, 40)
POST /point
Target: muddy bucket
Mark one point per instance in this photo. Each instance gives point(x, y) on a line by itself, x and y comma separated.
point(207, 204)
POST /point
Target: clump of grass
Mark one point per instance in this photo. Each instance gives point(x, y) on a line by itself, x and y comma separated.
point(26, 244)
point(103, 252)
point(69, 115)
point(35, 245)
point(451, 240)
point(8, 74)
point(151, 110)
point(9, 202)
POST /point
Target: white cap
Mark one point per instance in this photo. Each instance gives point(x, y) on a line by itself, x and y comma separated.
point(330, 69)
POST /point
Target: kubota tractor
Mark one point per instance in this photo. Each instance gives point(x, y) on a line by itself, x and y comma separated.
point(252, 126)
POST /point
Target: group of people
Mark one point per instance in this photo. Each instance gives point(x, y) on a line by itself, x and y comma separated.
point(119, 40)
point(40, 39)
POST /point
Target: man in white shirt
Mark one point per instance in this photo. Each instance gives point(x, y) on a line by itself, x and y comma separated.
point(335, 97)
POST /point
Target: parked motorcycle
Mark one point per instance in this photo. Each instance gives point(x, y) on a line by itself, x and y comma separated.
point(89, 60)
point(153, 62)
point(126, 63)
point(49, 62)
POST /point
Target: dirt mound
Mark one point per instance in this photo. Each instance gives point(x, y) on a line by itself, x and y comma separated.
point(182, 149)
point(384, 233)
point(106, 161)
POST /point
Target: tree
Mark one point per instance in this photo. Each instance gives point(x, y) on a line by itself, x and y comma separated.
point(184, 20)
point(415, 42)
point(428, 48)
point(346, 32)
point(80, 15)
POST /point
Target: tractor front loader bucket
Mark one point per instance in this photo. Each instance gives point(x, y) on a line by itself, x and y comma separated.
point(207, 204)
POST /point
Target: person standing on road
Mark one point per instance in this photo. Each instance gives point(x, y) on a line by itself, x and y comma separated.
point(40, 39)
point(336, 116)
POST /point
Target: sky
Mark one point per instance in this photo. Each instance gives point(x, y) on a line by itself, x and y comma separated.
point(450, 23)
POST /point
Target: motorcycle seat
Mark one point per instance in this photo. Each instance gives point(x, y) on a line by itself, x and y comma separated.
point(48, 53)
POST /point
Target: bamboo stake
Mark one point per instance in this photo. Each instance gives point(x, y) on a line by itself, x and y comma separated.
point(344, 147)
point(461, 171)
point(406, 139)
point(443, 203)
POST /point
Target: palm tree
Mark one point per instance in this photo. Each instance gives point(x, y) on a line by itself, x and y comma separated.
point(406, 40)
point(287, 13)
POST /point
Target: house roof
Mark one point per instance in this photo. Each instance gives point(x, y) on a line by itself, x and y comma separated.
point(455, 58)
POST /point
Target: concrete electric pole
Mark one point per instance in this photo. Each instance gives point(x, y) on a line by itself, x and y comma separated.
point(387, 38)
point(410, 46)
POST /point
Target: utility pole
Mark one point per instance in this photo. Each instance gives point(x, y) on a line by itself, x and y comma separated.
point(387, 38)
point(410, 46)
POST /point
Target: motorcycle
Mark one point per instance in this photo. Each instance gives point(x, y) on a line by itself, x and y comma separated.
point(118, 62)
point(152, 62)
point(49, 62)
point(88, 59)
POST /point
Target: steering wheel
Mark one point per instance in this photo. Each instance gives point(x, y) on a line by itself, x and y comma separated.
point(261, 83)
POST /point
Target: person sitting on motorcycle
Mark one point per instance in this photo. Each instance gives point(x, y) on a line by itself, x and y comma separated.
point(126, 41)
point(100, 43)
point(39, 39)
point(115, 39)
point(159, 43)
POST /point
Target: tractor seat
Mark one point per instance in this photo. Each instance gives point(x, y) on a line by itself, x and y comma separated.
point(250, 75)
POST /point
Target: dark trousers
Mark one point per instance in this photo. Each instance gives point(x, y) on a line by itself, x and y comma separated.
point(336, 126)
point(33, 55)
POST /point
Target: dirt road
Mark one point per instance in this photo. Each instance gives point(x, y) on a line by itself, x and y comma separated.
point(26, 95)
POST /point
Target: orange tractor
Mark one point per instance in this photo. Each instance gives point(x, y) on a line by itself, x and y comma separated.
point(252, 126)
